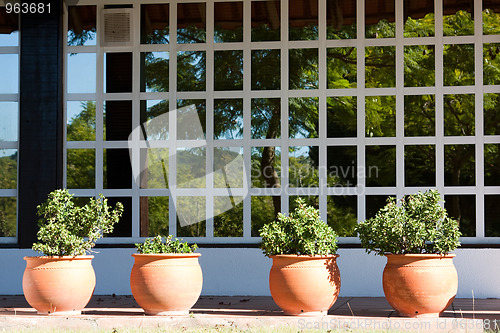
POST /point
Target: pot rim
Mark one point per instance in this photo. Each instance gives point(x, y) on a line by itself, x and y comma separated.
point(166, 255)
point(81, 257)
point(305, 256)
point(422, 255)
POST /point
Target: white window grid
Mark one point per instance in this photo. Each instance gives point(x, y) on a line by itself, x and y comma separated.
point(360, 141)
point(10, 97)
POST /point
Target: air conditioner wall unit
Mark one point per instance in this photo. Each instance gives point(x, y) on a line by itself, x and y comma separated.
point(117, 24)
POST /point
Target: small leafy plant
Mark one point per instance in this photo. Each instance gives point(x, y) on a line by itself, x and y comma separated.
point(69, 230)
point(301, 233)
point(418, 225)
point(159, 244)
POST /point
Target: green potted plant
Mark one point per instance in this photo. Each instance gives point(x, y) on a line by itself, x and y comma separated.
point(62, 280)
point(166, 277)
point(416, 236)
point(304, 278)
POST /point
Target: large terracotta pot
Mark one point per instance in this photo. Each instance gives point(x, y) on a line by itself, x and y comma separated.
point(58, 285)
point(304, 285)
point(166, 284)
point(420, 285)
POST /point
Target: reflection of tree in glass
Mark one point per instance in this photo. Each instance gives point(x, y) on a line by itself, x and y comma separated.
point(303, 171)
point(155, 75)
point(158, 216)
point(342, 214)
point(82, 126)
point(342, 69)
point(228, 222)
point(7, 217)
point(228, 119)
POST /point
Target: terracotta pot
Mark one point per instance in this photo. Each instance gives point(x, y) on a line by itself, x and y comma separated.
point(304, 285)
point(166, 284)
point(420, 285)
point(58, 285)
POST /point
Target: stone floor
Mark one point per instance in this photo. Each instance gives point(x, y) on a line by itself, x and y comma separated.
point(243, 312)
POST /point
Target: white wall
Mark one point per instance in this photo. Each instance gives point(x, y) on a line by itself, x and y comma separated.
point(243, 271)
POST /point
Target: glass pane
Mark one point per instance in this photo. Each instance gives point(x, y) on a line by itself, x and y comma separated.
point(266, 118)
point(459, 115)
point(458, 65)
point(191, 167)
point(154, 168)
point(155, 24)
point(374, 203)
point(303, 169)
point(491, 104)
point(228, 216)
point(492, 215)
point(380, 116)
point(380, 166)
point(266, 167)
point(154, 216)
point(342, 166)
point(419, 18)
point(303, 117)
point(117, 120)
point(118, 69)
point(82, 25)
point(266, 70)
point(191, 71)
point(154, 71)
point(228, 167)
point(124, 227)
point(341, 19)
point(228, 119)
point(155, 120)
point(341, 116)
point(9, 126)
point(491, 19)
point(80, 119)
point(420, 165)
point(264, 210)
point(8, 218)
point(303, 19)
point(380, 66)
point(8, 165)
point(491, 62)
point(191, 119)
point(265, 21)
point(228, 70)
point(191, 23)
point(191, 216)
point(492, 165)
point(342, 214)
point(80, 168)
point(9, 72)
point(81, 73)
point(228, 22)
point(379, 19)
point(117, 169)
point(458, 18)
point(303, 69)
point(420, 115)
point(463, 209)
point(419, 66)
point(9, 33)
point(342, 69)
point(459, 165)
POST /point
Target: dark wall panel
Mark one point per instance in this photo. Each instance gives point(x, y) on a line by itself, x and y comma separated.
point(41, 115)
